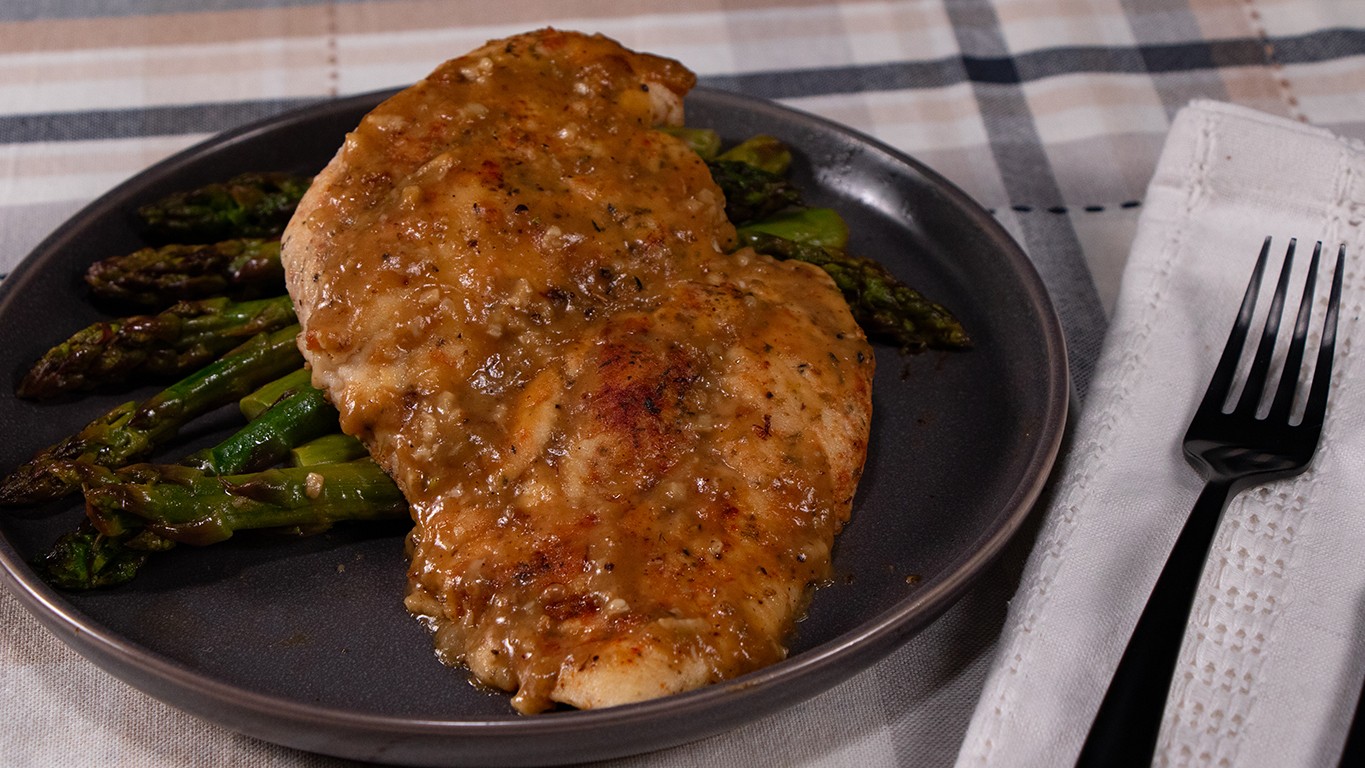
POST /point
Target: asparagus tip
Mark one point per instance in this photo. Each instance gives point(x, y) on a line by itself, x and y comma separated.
point(35, 482)
point(87, 559)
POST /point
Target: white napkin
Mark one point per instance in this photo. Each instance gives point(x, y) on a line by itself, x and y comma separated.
point(1274, 656)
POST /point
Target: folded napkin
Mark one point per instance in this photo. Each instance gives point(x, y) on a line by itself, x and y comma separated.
point(1274, 655)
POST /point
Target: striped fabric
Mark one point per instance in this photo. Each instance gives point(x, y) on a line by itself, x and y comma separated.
point(1051, 113)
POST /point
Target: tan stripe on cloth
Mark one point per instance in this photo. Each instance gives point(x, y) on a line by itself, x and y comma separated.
point(195, 58)
point(139, 77)
point(361, 18)
point(78, 170)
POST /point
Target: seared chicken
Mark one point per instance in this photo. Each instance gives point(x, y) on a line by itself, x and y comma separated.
point(627, 450)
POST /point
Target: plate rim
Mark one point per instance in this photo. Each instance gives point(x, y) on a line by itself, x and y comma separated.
point(864, 645)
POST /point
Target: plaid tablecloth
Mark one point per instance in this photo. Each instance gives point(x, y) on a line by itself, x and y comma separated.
point(1051, 113)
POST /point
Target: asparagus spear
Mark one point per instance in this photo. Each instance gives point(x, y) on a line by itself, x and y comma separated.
point(884, 306)
point(763, 152)
point(814, 226)
point(88, 559)
point(249, 205)
point(328, 449)
point(752, 193)
point(704, 141)
point(189, 335)
point(272, 392)
point(131, 431)
point(267, 439)
point(187, 506)
point(243, 268)
point(146, 508)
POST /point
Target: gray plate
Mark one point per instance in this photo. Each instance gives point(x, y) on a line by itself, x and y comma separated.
point(305, 642)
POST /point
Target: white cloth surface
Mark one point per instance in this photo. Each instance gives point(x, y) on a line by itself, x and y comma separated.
point(1273, 658)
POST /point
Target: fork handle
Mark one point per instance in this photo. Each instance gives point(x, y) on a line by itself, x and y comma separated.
point(1126, 728)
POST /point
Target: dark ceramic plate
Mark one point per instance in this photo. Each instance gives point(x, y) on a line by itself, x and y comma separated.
point(305, 642)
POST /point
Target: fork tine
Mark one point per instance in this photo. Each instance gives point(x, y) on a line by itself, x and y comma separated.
point(1289, 379)
point(1260, 366)
point(1316, 408)
point(1217, 393)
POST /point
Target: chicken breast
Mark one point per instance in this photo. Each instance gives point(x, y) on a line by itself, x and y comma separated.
point(627, 450)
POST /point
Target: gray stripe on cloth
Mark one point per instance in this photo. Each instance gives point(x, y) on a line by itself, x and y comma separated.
point(1162, 21)
point(32, 10)
point(1178, 89)
point(1051, 241)
point(177, 120)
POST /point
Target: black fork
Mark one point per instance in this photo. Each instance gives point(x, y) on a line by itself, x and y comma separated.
point(1235, 450)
